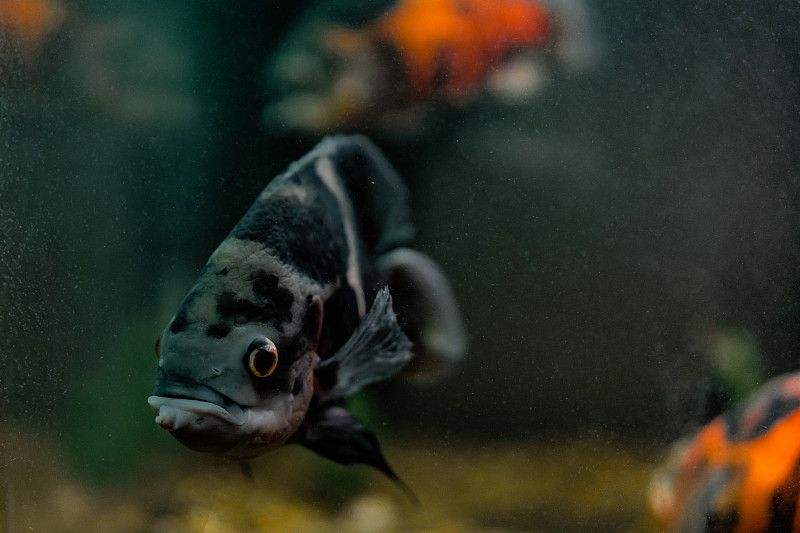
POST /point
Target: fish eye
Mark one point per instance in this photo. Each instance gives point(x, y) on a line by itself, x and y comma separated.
point(262, 357)
point(158, 348)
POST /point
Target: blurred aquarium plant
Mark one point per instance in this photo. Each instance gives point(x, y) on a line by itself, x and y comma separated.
point(735, 362)
point(107, 428)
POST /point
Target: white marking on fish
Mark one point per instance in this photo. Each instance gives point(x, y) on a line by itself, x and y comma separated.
point(290, 191)
point(331, 180)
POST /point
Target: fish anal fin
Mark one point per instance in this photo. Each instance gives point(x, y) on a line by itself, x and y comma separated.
point(426, 308)
point(332, 432)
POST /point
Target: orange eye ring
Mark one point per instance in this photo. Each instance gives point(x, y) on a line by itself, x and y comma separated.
point(158, 348)
point(262, 357)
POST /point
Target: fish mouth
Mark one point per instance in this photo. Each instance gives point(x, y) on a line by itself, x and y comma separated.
point(178, 405)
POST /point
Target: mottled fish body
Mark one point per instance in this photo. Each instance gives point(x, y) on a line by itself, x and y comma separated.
point(293, 312)
point(740, 473)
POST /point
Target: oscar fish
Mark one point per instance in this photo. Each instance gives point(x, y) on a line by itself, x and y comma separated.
point(741, 472)
point(418, 55)
point(453, 44)
point(313, 295)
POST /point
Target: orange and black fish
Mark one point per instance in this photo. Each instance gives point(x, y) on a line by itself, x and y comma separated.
point(29, 22)
point(453, 44)
point(448, 50)
point(741, 472)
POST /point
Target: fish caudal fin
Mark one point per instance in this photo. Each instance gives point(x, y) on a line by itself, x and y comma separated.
point(332, 432)
point(426, 309)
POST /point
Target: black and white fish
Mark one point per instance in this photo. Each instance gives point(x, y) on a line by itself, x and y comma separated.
point(294, 312)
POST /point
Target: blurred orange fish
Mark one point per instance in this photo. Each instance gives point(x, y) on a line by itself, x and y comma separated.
point(453, 44)
point(740, 473)
point(29, 22)
point(424, 52)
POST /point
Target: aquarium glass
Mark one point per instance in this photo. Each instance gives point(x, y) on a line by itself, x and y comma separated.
point(610, 189)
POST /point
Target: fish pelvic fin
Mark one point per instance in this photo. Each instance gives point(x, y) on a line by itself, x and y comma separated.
point(332, 432)
point(377, 349)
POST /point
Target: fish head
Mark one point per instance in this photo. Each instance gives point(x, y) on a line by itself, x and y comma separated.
point(238, 395)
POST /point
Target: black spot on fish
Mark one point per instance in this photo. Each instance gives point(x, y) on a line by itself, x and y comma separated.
point(237, 311)
point(307, 234)
point(218, 331)
point(223, 271)
point(272, 304)
point(266, 286)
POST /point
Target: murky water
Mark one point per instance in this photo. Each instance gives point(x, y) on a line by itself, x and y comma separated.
point(615, 201)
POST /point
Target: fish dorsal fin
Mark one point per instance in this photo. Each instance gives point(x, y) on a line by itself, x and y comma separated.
point(377, 190)
point(376, 350)
point(377, 193)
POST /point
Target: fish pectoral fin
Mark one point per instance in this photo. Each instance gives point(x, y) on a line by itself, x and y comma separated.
point(376, 350)
point(332, 432)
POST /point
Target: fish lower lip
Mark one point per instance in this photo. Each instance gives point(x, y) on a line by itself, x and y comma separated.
point(183, 399)
point(169, 409)
point(170, 388)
